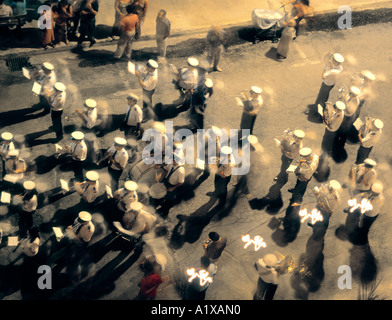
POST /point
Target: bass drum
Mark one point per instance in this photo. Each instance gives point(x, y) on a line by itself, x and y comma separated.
point(143, 173)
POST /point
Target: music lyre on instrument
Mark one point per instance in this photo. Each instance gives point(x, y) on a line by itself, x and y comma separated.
point(60, 234)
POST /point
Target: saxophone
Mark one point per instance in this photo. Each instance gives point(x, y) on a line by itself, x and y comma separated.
point(366, 129)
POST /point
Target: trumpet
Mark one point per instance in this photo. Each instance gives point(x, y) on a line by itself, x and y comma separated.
point(73, 115)
point(68, 231)
point(366, 129)
point(105, 157)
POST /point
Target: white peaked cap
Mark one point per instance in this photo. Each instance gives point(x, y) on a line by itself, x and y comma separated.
point(304, 152)
point(226, 150)
point(256, 89)
point(90, 103)
point(132, 96)
point(378, 124)
point(368, 75)
point(370, 162)
point(377, 187)
point(340, 105)
point(193, 62)
point(270, 260)
point(77, 135)
point(208, 83)
point(338, 57)
point(355, 90)
point(7, 136)
point(84, 216)
point(48, 66)
point(153, 64)
point(13, 153)
point(335, 184)
point(299, 133)
point(136, 206)
point(130, 185)
point(29, 185)
point(59, 86)
point(120, 141)
point(92, 175)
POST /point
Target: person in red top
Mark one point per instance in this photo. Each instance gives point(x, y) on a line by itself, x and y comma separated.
point(149, 283)
point(129, 27)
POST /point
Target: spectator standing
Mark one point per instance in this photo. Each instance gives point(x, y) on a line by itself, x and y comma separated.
point(215, 38)
point(141, 7)
point(120, 8)
point(5, 11)
point(163, 27)
point(47, 27)
point(214, 246)
point(88, 12)
point(286, 39)
point(62, 13)
point(149, 283)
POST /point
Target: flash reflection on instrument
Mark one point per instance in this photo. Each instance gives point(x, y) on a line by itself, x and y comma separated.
point(314, 216)
point(365, 205)
point(257, 241)
point(203, 275)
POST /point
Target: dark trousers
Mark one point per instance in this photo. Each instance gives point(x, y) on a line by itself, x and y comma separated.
point(86, 28)
point(283, 176)
point(320, 227)
point(221, 188)
point(247, 122)
point(323, 95)
point(299, 190)
point(77, 167)
point(147, 104)
point(115, 177)
point(57, 124)
point(363, 153)
point(265, 291)
point(327, 144)
point(25, 222)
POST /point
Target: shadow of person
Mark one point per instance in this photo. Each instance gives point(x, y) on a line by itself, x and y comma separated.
point(194, 225)
point(323, 169)
point(313, 261)
point(312, 113)
point(291, 223)
point(31, 138)
point(272, 200)
point(12, 117)
point(272, 54)
point(363, 264)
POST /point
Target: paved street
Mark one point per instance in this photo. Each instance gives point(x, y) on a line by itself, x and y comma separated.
point(289, 86)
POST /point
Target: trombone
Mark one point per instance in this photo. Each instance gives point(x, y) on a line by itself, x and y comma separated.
point(62, 151)
point(68, 231)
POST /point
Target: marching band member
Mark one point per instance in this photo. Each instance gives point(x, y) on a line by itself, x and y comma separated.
point(148, 79)
point(290, 146)
point(118, 159)
point(328, 197)
point(306, 167)
point(362, 176)
point(188, 77)
point(251, 106)
point(89, 189)
point(27, 207)
point(126, 196)
point(369, 134)
point(32, 242)
point(57, 102)
point(78, 151)
point(199, 104)
point(89, 113)
point(6, 146)
point(333, 68)
point(173, 178)
point(133, 116)
point(364, 81)
point(82, 229)
point(223, 175)
point(46, 77)
point(14, 165)
point(138, 221)
point(333, 118)
point(268, 276)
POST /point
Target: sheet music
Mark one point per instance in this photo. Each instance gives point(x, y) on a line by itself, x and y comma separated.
point(36, 88)
point(13, 177)
point(131, 67)
point(291, 169)
point(358, 124)
point(200, 164)
point(58, 147)
point(58, 232)
point(320, 110)
point(109, 191)
point(64, 185)
point(26, 73)
point(173, 68)
point(13, 241)
point(5, 197)
point(239, 102)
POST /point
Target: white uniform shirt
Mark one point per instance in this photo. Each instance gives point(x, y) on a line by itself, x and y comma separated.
point(134, 114)
point(371, 138)
point(120, 156)
point(268, 275)
point(306, 170)
point(48, 81)
point(5, 148)
point(57, 101)
point(85, 232)
point(331, 74)
point(79, 150)
point(363, 180)
point(225, 169)
point(189, 78)
point(30, 205)
point(352, 103)
point(335, 118)
point(377, 203)
point(126, 198)
point(144, 221)
point(253, 105)
point(178, 175)
point(30, 249)
point(150, 79)
point(90, 117)
point(89, 192)
point(292, 151)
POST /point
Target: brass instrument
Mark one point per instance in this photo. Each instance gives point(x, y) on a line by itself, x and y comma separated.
point(322, 199)
point(66, 149)
point(342, 94)
point(104, 158)
point(68, 231)
point(286, 264)
point(365, 130)
point(327, 114)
